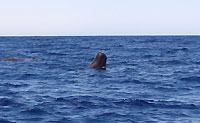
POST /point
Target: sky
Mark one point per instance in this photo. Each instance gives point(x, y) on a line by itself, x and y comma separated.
point(99, 17)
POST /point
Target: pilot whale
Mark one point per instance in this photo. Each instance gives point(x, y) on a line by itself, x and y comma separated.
point(99, 62)
point(32, 59)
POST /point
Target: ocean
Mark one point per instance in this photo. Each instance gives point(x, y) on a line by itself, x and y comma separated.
point(149, 79)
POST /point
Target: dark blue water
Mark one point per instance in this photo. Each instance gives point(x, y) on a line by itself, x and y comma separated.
point(148, 79)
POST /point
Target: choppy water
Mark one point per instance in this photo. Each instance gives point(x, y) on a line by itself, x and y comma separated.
point(148, 79)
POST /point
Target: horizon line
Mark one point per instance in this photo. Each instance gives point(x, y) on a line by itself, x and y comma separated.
point(100, 35)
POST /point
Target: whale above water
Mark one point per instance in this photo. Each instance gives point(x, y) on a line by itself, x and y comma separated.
point(99, 62)
point(32, 59)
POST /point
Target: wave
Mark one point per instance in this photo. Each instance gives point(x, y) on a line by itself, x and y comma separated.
point(170, 62)
point(157, 104)
point(9, 102)
point(5, 121)
point(12, 85)
point(150, 56)
point(173, 51)
point(110, 116)
point(26, 76)
point(78, 102)
point(93, 102)
point(191, 79)
point(34, 111)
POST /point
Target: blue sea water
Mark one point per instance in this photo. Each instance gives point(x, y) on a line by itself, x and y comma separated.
point(149, 79)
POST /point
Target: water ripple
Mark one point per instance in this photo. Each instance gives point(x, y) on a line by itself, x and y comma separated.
point(148, 79)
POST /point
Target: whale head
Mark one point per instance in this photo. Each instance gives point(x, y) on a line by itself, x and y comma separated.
point(99, 61)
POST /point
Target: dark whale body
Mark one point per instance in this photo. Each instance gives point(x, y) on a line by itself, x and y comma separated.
point(20, 59)
point(99, 62)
